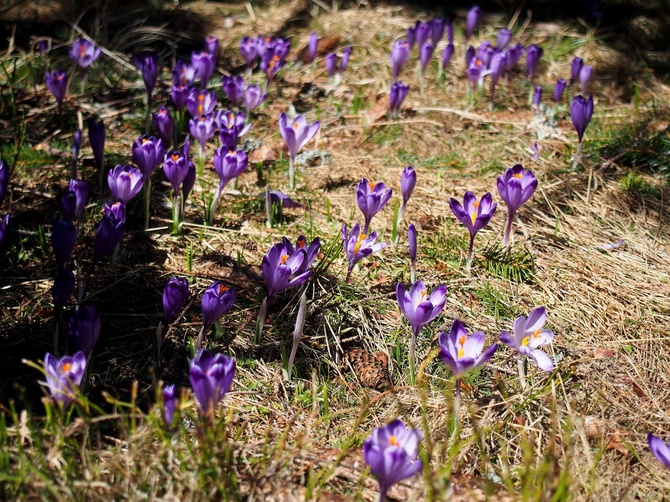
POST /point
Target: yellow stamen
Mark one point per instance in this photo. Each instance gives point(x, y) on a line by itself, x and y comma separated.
point(536, 334)
point(393, 441)
point(361, 238)
point(66, 367)
point(525, 341)
point(461, 353)
point(517, 176)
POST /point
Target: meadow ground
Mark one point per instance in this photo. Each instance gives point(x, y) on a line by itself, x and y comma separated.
point(591, 245)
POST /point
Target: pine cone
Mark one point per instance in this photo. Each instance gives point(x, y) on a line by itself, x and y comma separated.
point(371, 370)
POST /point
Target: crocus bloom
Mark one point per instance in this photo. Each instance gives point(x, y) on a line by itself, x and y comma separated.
point(528, 336)
point(204, 63)
point(358, 245)
point(80, 189)
point(475, 73)
point(96, 136)
point(391, 453)
point(189, 181)
point(170, 401)
point(472, 20)
point(253, 96)
point(84, 52)
point(68, 205)
point(498, 62)
point(174, 296)
point(660, 449)
point(310, 251)
point(399, 56)
point(217, 300)
point(147, 154)
point(63, 288)
point(504, 38)
point(117, 209)
point(437, 29)
point(585, 76)
point(200, 102)
point(4, 230)
point(231, 127)
point(474, 214)
point(76, 145)
point(281, 199)
point(84, 329)
point(4, 179)
point(312, 45)
point(533, 55)
point(371, 198)
point(63, 240)
point(515, 187)
point(281, 270)
point(202, 129)
point(147, 63)
point(296, 134)
point(125, 182)
point(397, 95)
point(558, 89)
point(330, 60)
point(212, 45)
point(175, 165)
point(57, 83)
point(425, 53)
point(108, 235)
point(514, 54)
point(407, 183)
point(422, 33)
point(411, 36)
point(179, 95)
point(164, 125)
point(450, 30)
point(183, 74)
point(463, 353)
point(346, 53)
point(411, 240)
point(233, 88)
point(249, 50)
point(447, 55)
point(537, 96)
point(274, 58)
point(581, 111)
point(575, 69)
point(64, 375)
point(228, 164)
point(211, 378)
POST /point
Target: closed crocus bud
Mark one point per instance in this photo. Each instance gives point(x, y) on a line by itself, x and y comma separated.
point(411, 36)
point(399, 56)
point(229, 164)
point(575, 69)
point(204, 64)
point(84, 52)
point(504, 38)
point(411, 239)
point(450, 30)
point(4, 179)
point(63, 288)
point(537, 96)
point(497, 67)
point(447, 55)
point(80, 189)
point(312, 45)
point(84, 329)
point(189, 181)
point(533, 55)
point(211, 378)
point(76, 144)
point(585, 75)
point(57, 83)
point(253, 96)
point(437, 30)
point(63, 376)
point(423, 32)
point(164, 125)
point(514, 54)
point(170, 402)
point(472, 20)
point(179, 95)
point(96, 136)
point(68, 205)
point(396, 97)
point(217, 300)
point(108, 235)
point(212, 45)
point(407, 183)
point(558, 89)
point(331, 63)
point(63, 240)
point(346, 53)
point(425, 53)
point(233, 87)
point(148, 152)
point(469, 56)
point(175, 165)
point(249, 51)
point(581, 111)
point(174, 296)
point(125, 182)
point(147, 63)
point(4, 231)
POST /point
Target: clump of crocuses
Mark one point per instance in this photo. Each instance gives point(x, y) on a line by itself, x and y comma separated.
point(474, 214)
point(392, 453)
point(515, 187)
point(296, 133)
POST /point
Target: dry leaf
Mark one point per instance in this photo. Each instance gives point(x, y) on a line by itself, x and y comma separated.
point(614, 442)
point(378, 110)
point(325, 45)
point(603, 353)
point(266, 153)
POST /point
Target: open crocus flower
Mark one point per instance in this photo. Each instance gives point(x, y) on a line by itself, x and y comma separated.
point(64, 376)
point(660, 449)
point(462, 352)
point(125, 182)
point(358, 245)
point(296, 134)
point(474, 214)
point(183, 74)
point(310, 251)
point(515, 187)
point(282, 270)
point(57, 83)
point(211, 378)
point(371, 198)
point(84, 52)
point(232, 126)
point(391, 453)
point(147, 154)
point(528, 336)
point(228, 164)
point(217, 300)
point(175, 166)
point(200, 102)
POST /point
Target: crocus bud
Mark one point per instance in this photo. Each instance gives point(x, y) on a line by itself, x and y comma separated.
point(411, 36)
point(108, 235)
point(76, 144)
point(514, 54)
point(397, 96)
point(437, 30)
point(175, 165)
point(147, 154)
point(331, 63)
point(217, 300)
point(4, 231)
point(57, 83)
point(84, 329)
point(174, 296)
point(399, 56)
point(581, 111)
point(170, 400)
point(63, 288)
point(80, 189)
point(312, 45)
point(446, 55)
point(189, 181)
point(212, 45)
point(253, 96)
point(96, 136)
point(229, 164)
point(344, 62)
point(469, 56)
point(558, 89)
point(411, 239)
point(504, 38)
point(450, 31)
point(575, 69)
point(147, 63)
point(249, 50)
point(68, 205)
point(4, 179)
point(204, 63)
point(423, 32)
point(183, 74)
point(233, 87)
point(211, 378)
point(585, 75)
point(125, 182)
point(407, 183)
point(63, 240)
point(425, 53)
point(472, 20)
point(497, 67)
point(537, 96)
point(179, 95)
point(164, 125)
point(84, 52)
point(533, 55)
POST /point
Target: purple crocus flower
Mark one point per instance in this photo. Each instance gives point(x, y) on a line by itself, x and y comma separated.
point(498, 62)
point(296, 134)
point(200, 102)
point(281, 199)
point(585, 76)
point(274, 59)
point(68, 205)
point(175, 165)
point(204, 63)
point(84, 52)
point(148, 151)
point(211, 378)
point(472, 20)
point(125, 182)
point(64, 376)
point(233, 88)
point(371, 198)
point(63, 240)
point(183, 74)
point(164, 125)
point(449, 27)
point(170, 402)
point(310, 251)
point(117, 209)
point(4, 230)
point(397, 95)
point(537, 97)
point(76, 145)
point(528, 336)
point(485, 52)
point(253, 96)
point(174, 296)
point(575, 69)
point(282, 270)
point(470, 54)
point(179, 95)
point(96, 137)
point(474, 214)
point(407, 183)
point(312, 45)
point(515, 187)
point(84, 329)
point(581, 111)
point(80, 189)
point(399, 56)
point(330, 60)
point(447, 54)
point(249, 51)
point(411, 241)
point(476, 73)
point(147, 63)
point(63, 288)
point(344, 62)
point(108, 235)
point(228, 164)
point(4, 179)
point(558, 89)
point(57, 82)
point(411, 36)
point(217, 300)
point(231, 127)
point(391, 453)
point(358, 245)
point(533, 55)
point(514, 54)
point(436, 30)
point(212, 45)
point(660, 449)
point(425, 53)
point(423, 32)
point(462, 352)
point(202, 129)
point(189, 181)
point(504, 38)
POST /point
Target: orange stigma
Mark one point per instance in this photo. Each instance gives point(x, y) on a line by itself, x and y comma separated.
point(372, 186)
point(175, 156)
point(517, 176)
point(301, 242)
point(393, 441)
point(284, 257)
point(222, 288)
point(144, 140)
point(66, 367)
